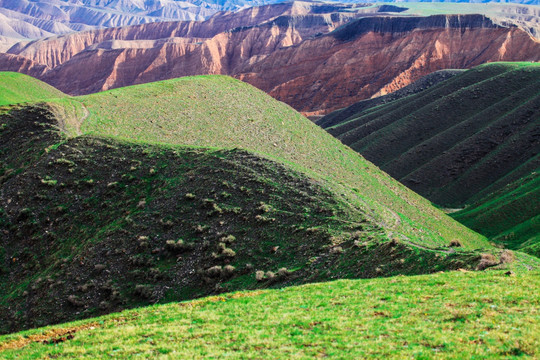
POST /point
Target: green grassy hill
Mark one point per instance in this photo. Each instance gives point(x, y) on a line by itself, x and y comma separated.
point(459, 141)
point(19, 88)
point(510, 216)
point(218, 111)
point(424, 83)
point(194, 186)
point(445, 316)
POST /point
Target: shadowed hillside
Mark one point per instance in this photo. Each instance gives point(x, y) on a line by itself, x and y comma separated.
point(510, 216)
point(161, 194)
point(462, 141)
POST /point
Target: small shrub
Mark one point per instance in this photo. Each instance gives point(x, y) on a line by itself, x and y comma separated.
point(486, 260)
point(264, 219)
point(455, 243)
point(259, 275)
point(336, 250)
point(141, 204)
point(199, 229)
point(264, 208)
point(229, 239)
point(228, 270)
point(283, 272)
point(507, 257)
point(177, 246)
point(49, 182)
point(216, 210)
point(75, 301)
point(60, 209)
point(104, 305)
point(143, 291)
point(100, 267)
point(63, 161)
point(360, 244)
point(167, 223)
point(228, 252)
point(214, 271)
point(270, 275)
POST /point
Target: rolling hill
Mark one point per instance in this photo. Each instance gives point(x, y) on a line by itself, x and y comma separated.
point(470, 139)
point(509, 216)
point(18, 88)
point(448, 315)
point(188, 187)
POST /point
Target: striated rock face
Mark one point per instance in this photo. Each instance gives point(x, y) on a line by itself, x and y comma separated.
point(315, 57)
point(33, 19)
point(376, 56)
point(57, 50)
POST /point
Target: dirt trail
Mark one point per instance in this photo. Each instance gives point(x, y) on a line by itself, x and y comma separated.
point(85, 116)
point(449, 251)
point(51, 336)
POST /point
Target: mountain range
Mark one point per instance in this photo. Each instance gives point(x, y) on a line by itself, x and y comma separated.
point(29, 19)
point(315, 57)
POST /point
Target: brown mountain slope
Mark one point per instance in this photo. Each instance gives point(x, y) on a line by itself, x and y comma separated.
point(291, 51)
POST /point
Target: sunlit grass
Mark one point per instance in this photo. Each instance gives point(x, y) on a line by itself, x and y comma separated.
point(456, 315)
point(18, 88)
point(221, 112)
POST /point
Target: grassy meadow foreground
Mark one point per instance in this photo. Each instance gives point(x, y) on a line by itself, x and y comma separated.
point(456, 315)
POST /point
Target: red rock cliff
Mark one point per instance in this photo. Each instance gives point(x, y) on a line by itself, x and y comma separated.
point(292, 51)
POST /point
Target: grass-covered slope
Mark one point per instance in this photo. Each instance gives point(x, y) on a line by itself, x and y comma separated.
point(454, 139)
point(179, 189)
point(218, 111)
point(510, 216)
point(445, 316)
point(462, 141)
point(92, 225)
point(19, 88)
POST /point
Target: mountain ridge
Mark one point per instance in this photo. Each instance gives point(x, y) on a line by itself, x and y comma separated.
point(291, 51)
